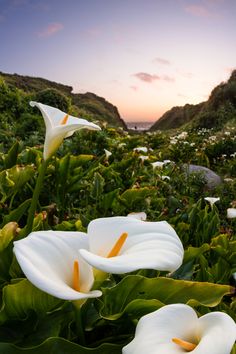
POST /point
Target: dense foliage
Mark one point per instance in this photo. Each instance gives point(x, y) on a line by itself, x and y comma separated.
point(81, 184)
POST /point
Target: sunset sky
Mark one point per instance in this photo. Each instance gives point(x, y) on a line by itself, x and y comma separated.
point(144, 56)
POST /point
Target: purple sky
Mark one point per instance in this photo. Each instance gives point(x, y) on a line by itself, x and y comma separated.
point(144, 56)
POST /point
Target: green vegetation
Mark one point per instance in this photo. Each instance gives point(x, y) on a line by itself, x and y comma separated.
point(82, 184)
point(88, 105)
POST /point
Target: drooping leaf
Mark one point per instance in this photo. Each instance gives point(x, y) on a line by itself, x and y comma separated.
point(118, 299)
point(19, 299)
point(60, 346)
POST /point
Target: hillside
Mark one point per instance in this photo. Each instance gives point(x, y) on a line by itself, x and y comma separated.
point(219, 109)
point(89, 105)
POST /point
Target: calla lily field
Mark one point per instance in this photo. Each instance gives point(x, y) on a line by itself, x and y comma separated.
point(115, 241)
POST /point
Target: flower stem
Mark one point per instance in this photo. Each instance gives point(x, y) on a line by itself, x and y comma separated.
point(34, 201)
point(79, 321)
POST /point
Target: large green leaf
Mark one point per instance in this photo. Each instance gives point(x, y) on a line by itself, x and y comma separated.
point(134, 290)
point(132, 196)
point(13, 179)
point(60, 346)
point(19, 299)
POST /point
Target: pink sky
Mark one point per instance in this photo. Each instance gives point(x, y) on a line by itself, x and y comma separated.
point(144, 56)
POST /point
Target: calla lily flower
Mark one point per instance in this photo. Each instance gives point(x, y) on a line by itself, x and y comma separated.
point(107, 153)
point(51, 262)
point(157, 164)
point(141, 149)
point(140, 216)
point(231, 213)
point(212, 200)
point(123, 244)
point(143, 158)
point(59, 125)
point(176, 329)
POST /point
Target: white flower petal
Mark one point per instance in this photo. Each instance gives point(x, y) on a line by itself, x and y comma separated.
point(152, 245)
point(140, 216)
point(217, 332)
point(155, 331)
point(212, 200)
point(231, 213)
point(213, 333)
point(47, 258)
point(55, 130)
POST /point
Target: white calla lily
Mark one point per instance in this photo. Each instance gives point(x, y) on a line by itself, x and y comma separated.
point(176, 329)
point(140, 215)
point(231, 213)
point(124, 244)
point(212, 200)
point(157, 164)
point(59, 125)
point(107, 153)
point(141, 149)
point(51, 262)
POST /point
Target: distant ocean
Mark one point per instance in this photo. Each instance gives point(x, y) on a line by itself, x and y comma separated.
point(139, 125)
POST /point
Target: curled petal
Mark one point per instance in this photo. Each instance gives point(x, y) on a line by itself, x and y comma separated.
point(212, 333)
point(47, 258)
point(153, 245)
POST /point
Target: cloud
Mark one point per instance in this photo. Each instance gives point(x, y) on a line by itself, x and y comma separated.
point(146, 77)
point(149, 78)
point(161, 61)
point(51, 29)
point(198, 10)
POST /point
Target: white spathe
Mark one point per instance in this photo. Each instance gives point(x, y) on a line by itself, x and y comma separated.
point(231, 213)
point(141, 149)
point(213, 333)
point(157, 164)
point(47, 260)
point(212, 200)
point(149, 245)
point(57, 129)
point(139, 215)
point(107, 153)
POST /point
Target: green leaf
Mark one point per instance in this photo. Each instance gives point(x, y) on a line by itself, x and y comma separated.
point(13, 179)
point(16, 214)
point(132, 196)
point(118, 299)
point(97, 186)
point(60, 346)
point(7, 233)
point(194, 252)
point(11, 157)
point(19, 299)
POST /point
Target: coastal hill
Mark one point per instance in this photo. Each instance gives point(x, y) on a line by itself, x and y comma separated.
point(218, 110)
point(87, 105)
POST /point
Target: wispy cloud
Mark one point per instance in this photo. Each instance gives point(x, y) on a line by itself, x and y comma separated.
point(149, 78)
point(198, 10)
point(51, 30)
point(161, 61)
